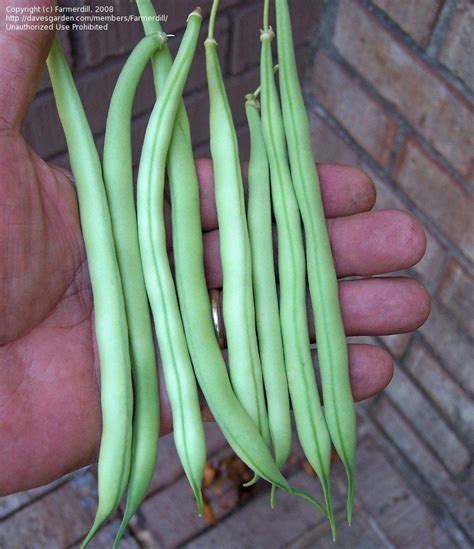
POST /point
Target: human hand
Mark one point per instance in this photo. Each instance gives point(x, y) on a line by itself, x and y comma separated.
point(49, 376)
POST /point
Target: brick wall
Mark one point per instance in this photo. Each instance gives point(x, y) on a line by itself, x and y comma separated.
point(389, 88)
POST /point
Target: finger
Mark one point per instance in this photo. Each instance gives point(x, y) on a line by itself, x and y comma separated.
point(380, 306)
point(22, 59)
point(345, 191)
point(375, 243)
point(363, 244)
point(370, 371)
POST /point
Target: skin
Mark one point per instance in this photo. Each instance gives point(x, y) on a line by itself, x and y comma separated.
point(48, 360)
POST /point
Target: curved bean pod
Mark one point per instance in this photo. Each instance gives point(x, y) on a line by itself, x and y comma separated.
point(238, 305)
point(179, 377)
point(330, 337)
point(310, 423)
point(259, 219)
point(118, 179)
point(109, 307)
point(208, 362)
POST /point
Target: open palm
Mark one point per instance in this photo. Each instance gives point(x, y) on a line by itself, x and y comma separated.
point(49, 377)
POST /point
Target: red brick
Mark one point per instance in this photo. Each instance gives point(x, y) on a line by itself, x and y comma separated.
point(415, 17)
point(247, 25)
point(171, 517)
point(439, 196)
point(257, 525)
point(202, 151)
point(328, 146)
point(429, 268)
point(397, 343)
point(427, 421)
point(457, 51)
point(106, 536)
point(450, 397)
point(64, 516)
point(363, 118)
point(246, 38)
point(451, 345)
point(415, 451)
point(428, 102)
point(389, 500)
point(10, 504)
point(362, 533)
point(243, 138)
point(456, 292)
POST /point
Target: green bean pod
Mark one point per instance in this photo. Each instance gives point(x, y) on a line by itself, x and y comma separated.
point(179, 377)
point(208, 362)
point(109, 307)
point(238, 306)
point(330, 336)
point(118, 179)
point(310, 423)
point(270, 343)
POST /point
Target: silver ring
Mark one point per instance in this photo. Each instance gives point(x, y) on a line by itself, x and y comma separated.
point(217, 317)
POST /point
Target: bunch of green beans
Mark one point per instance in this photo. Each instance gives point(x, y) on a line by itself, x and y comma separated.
point(267, 334)
point(310, 423)
point(239, 312)
point(208, 362)
point(330, 336)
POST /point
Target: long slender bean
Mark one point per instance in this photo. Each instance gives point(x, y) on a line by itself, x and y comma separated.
point(109, 306)
point(330, 337)
point(179, 377)
point(238, 305)
point(310, 423)
point(208, 362)
point(270, 343)
point(118, 179)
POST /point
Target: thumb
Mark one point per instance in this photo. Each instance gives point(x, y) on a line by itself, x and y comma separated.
point(23, 55)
